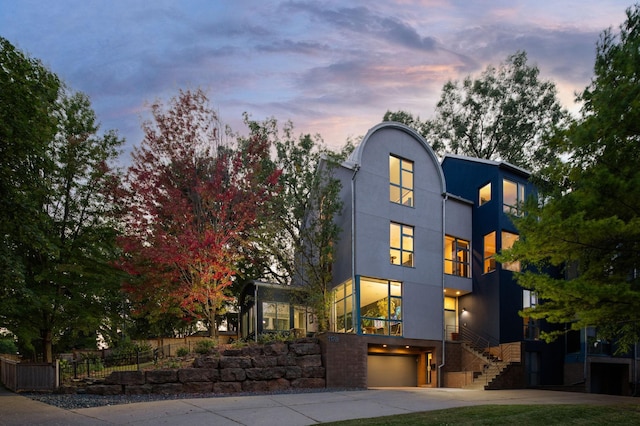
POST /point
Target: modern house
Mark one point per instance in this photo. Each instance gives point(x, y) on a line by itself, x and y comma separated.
point(418, 297)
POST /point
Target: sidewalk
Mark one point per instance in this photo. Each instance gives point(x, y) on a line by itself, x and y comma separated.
point(282, 410)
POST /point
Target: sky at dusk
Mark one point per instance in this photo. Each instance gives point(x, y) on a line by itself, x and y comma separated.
point(331, 67)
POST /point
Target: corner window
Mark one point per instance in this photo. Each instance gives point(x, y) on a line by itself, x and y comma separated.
point(401, 244)
point(484, 194)
point(381, 307)
point(275, 316)
point(343, 321)
point(456, 257)
point(489, 252)
point(400, 181)
point(508, 239)
point(512, 197)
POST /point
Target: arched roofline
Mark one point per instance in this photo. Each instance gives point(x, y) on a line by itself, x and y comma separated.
point(356, 156)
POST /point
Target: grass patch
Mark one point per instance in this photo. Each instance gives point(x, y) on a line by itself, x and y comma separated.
point(521, 415)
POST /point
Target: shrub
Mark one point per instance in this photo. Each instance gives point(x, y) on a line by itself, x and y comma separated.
point(183, 351)
point(204, 346)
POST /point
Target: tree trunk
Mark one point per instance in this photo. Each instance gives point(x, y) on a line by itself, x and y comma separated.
point(47, 345)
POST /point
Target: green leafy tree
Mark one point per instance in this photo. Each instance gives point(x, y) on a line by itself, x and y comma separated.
point(505, 114)
point(57, 175)
point(296, 243)
point(588, 226)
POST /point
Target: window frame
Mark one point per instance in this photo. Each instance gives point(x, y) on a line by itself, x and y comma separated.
point(459, 268)
point(488, 258)
point(517, 209)
point(480, 202)
point(504, 245)
point(371, 319)
point(401, 184)
point(401, 250)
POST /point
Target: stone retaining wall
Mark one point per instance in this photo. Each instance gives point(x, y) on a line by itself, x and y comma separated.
point(254, 368)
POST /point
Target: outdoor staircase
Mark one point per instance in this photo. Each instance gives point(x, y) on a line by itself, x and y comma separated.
point(492, 357)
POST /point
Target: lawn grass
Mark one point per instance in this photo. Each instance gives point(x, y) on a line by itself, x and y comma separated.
point(521, 415)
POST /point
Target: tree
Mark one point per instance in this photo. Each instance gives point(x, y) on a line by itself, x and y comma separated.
point(588, 226)
point(59, 239)
point(506, 114)
point(191, 200)
point(297, 242)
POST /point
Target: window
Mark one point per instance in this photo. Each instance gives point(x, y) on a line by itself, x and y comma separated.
point(484, 195)
point(489, 252)
point(400, 181)
point(530, 326)
point(380, 307)
point(512, 197)
point(343, 308)
point(508, 239)
point(401, 244)
point(456, 257)
point(275, 316)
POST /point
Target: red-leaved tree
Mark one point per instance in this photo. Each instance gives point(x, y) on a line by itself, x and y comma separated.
point(190, 201)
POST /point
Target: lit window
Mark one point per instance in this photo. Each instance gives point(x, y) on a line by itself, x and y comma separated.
point(381, 307)
point(508, 239)
point(484, 195)
point(456, 256)
point(401, 244)
point(512, 197)
point(489, 252)
point(400, 181)
point(275, 316)
point(343, 309)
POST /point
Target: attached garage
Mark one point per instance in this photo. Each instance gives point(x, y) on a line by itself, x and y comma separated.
point(392, 370)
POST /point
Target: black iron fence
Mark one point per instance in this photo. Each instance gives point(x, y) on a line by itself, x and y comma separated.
point(99, 367)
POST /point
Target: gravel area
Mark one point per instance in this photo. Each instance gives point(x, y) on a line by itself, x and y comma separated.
point(77, 401)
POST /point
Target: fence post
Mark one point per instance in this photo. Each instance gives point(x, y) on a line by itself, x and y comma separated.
point(138, 358)
point(88, 368)
point(75, 368)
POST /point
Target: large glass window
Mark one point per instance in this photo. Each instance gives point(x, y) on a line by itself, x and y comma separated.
point(489, 252)
point(400, 181)
point(456, 257)
point(276, 316)
point(401, 244)
point(343, 321)
point(381, 307)
point(512, 197)
point(484, 195)
point(508, 239)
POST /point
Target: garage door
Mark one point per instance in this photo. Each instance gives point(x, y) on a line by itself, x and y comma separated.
point(392, 370)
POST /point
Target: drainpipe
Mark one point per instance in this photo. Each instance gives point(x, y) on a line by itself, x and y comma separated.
point(444, 331)
point(353, 233)
point(255, 306)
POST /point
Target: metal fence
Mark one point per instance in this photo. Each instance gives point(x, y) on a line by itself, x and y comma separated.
point(97, 367)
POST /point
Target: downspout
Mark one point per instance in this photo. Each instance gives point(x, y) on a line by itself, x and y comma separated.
point(444, 332)
point(255, 305)
point(353, 234)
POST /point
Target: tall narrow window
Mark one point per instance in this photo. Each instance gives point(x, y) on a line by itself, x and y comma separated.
point(401, 244)
point(484, 194)
point(489, 252)
point(512, 197)
point(456, 256)
point(343, 308)
point(508, 239)
point(400, 181)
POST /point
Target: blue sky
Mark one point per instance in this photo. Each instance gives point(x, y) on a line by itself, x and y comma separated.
point(331, 67)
